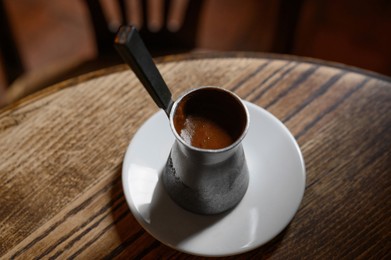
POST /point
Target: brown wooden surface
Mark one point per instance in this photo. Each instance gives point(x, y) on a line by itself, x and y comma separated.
point(61, 155)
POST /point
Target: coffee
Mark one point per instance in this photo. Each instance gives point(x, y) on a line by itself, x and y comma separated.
point(210, 118)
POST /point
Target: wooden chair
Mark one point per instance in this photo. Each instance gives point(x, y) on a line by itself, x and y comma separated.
point(164, 40)
point(160, 41)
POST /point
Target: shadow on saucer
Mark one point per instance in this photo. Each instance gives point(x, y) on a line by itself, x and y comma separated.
point(167, 222)
point(171, 224)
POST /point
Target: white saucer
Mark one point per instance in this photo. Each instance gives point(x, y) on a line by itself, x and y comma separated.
point(277, 182)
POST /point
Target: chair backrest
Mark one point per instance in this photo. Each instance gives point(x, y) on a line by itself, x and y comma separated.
point(160, 42)
point(165, 40)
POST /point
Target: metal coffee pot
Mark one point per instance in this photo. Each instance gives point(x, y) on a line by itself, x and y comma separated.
point(203, 180)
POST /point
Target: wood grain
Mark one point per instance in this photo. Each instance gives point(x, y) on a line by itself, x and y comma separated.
point(62, 150)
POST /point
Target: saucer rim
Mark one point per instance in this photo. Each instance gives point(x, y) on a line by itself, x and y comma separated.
point(135, 212)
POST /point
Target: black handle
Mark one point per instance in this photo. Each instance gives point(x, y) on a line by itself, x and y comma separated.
point(131, 48)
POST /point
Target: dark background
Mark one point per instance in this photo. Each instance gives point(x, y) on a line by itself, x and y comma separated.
point(52, 34)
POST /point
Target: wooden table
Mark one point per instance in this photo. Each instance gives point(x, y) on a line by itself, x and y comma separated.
point(62, 149)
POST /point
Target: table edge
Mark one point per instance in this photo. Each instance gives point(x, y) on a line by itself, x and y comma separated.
point(189, 56)
point(275, 56)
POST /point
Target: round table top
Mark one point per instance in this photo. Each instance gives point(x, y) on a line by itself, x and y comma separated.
point(62, 151)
